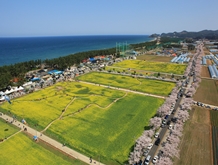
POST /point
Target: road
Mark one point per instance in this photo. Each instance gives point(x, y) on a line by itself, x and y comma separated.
point(154, 150)
point(59, 146)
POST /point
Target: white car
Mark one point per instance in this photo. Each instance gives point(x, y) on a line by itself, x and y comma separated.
point(155, 159)
point(156, 135)
point(150, 146)
point(170, 126)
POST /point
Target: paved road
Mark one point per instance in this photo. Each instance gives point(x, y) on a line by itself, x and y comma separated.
point(154, 150)
point(52, 142)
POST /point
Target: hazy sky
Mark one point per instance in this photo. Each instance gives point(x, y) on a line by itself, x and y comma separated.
point(97, 17)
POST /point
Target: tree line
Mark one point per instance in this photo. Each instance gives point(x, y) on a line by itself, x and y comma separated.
point(18, 70)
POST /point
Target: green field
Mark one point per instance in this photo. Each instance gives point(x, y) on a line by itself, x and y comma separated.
point(46, 105)
point(97, 121)
point(143, 85)
point(21, 150)
point(214, 118)
point(6, 129)
point(108, 133)
point(151, 66)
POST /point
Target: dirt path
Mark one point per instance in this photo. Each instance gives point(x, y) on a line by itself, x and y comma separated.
point(52, 142)
point(63, 111)
point(97, 106)
point(11, 136)
point(123, 89)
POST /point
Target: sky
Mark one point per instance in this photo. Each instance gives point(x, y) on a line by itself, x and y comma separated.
point(23, 18)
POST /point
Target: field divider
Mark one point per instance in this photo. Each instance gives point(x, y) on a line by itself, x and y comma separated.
point(63, 111)
point(123, 89)
point(87, 106)
point(59, 146)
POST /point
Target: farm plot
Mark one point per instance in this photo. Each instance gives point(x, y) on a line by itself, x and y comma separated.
point(195, 146)
point(214, 118)
point(207, 92)
point(143, 85)
point(154, 58)
point(152, 66)
point(6, 129)
point(42, 107)
point(107, 133)
point(214, 123)
point(205, 72)
point(21, 150)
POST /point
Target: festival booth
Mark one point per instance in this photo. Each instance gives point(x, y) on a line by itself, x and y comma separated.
point(56, 72)
point(2, 96)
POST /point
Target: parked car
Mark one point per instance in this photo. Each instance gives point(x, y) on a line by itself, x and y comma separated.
point(156, 135)
point(157, 142)
point(147, 160)
point(150, 146)
point(166, 116)
point(170, 126)
point(155, 159)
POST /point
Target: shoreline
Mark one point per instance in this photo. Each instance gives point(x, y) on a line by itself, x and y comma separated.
point(85, 50)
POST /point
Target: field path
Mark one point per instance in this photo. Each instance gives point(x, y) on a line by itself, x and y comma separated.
point(139, 70)
point(59, 116)
point(57, 145)
point(11, 136)
point(97, 106)
point(123, 89)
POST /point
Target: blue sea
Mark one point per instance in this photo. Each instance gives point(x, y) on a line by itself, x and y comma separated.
point(15, 50)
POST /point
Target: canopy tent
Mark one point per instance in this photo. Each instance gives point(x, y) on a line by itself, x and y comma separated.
point(35, 79)
point(23, 121)
point(55, 72)
point(35, 138)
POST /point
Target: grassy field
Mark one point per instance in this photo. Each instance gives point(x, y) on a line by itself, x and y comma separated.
point(195, 146)
point(214, 123)
point(6, 129)
point(107, 133)
point(152, 66)
point(21, 150)
point(143, 85)
point(214, 118)
point(155, 58)
point(99, 122)
point(207, 92)
point(46, 105)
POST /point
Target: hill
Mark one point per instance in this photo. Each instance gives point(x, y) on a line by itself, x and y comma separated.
point(208, 34)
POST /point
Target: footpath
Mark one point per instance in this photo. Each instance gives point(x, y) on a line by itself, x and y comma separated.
point(123, 89)
point(59, 146)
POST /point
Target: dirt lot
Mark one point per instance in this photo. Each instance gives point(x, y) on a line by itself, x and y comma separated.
point(205, 72)
point(195, 146)
point(209, 62)
point(206, 51)
point(155, 58)
point(207, 92)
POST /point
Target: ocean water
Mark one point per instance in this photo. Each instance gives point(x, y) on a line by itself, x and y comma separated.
point(14, 50)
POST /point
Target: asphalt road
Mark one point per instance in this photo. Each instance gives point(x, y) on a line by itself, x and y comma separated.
point(163, 131)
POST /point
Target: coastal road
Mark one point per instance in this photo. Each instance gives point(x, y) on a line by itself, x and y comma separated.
point(59, 146)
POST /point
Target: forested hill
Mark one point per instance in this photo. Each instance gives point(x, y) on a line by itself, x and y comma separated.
point(208, 34)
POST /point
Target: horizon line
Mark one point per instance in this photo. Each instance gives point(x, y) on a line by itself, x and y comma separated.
point(75, 35)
